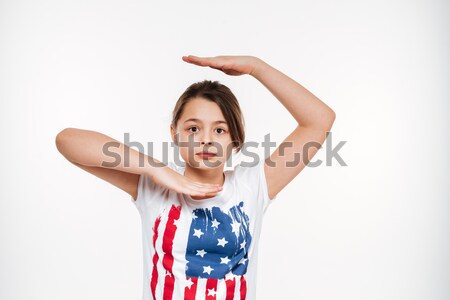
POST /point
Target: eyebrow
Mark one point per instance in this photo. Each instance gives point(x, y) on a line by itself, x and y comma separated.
point(199, 121)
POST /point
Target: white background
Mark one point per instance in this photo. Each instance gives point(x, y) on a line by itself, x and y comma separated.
point(377, 228)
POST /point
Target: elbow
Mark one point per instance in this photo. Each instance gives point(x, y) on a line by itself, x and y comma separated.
point(332, 117)
point(327, 120)
point(330, 120)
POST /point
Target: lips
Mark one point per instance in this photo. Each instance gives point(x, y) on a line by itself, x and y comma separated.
point(206, 154)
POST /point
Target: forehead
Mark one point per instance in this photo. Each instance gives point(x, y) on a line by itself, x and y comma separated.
point(201, 110)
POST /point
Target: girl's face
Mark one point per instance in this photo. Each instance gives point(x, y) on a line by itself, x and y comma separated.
point(203, 128)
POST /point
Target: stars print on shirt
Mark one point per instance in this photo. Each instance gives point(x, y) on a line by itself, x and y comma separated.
point(218, 243)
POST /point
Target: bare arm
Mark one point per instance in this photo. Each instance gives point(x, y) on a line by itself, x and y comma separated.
point(314, 120)
point(103, 157)
point(314, 117)
point(119, 164)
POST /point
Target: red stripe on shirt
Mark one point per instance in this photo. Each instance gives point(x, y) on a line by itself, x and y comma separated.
point(231, 285)
point(167, 246)
point(189, 293)
point(154, 279)
point(243, 288)
point(211, 284)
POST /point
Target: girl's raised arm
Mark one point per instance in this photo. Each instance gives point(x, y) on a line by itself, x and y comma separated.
point(314, 117)
point(121, 165)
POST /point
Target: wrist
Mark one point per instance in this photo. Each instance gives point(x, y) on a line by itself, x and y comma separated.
point(153, 166)
point(258, 67)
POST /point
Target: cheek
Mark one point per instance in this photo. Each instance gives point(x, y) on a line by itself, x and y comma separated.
point(187, 143)
point(225, 147)
point(183, 140)
point(185, 136)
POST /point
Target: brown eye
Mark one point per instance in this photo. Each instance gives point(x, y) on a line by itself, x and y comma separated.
point(223, 130)
point(189, 129)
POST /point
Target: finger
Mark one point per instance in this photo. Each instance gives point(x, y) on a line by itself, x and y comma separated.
point(206, 194)
point(194, 193)
point(200, 184)
point(197, 63)
point(201, 61)
point(192, 58)
point(196, 57)
point(199, 193)
point(207, 189)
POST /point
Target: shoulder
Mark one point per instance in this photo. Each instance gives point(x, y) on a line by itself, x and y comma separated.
point(179, 167)
point(145, 180)
point(147, 189)
point(250, 178)
point(249, 171)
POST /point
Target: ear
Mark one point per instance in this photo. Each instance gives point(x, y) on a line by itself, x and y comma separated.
point(173, 134)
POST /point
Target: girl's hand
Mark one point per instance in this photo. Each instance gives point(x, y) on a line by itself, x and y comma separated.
point(230, 65)
point(174, 181)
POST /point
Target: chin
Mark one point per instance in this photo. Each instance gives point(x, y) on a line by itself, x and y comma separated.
point(209, 164)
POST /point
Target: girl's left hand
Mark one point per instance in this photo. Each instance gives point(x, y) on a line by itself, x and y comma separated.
point(230, 65)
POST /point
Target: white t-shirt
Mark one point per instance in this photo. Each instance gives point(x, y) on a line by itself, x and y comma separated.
point(203, 249)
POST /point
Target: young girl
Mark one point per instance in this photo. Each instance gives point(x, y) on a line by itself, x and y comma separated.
point(201, 224)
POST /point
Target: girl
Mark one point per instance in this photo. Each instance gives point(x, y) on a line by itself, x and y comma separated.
point(201, 224)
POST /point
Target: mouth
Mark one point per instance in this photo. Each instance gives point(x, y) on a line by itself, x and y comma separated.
point(204, 154)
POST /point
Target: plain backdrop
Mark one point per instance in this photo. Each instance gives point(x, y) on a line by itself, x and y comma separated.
point(375, 228)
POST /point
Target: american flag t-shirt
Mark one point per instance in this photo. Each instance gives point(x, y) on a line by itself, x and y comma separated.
point(216, 254)
point(202, 249)
point(219, 240)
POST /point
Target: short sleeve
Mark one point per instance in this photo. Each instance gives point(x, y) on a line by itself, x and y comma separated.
point(144, 189)
point(150, 194)
point(251, 179)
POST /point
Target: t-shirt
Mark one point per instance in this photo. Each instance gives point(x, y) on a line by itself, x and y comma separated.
point(203, 249)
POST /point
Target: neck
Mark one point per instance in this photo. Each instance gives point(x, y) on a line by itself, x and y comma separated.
point(207, 176)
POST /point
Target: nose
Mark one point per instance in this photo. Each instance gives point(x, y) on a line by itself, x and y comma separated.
point(206, 139)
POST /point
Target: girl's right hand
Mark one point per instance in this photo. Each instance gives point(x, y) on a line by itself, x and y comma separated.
point(174, 181)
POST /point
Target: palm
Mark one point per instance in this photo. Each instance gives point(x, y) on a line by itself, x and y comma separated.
point(230, 65)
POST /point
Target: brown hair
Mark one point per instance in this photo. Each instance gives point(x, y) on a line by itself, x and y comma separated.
point(224, 98)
